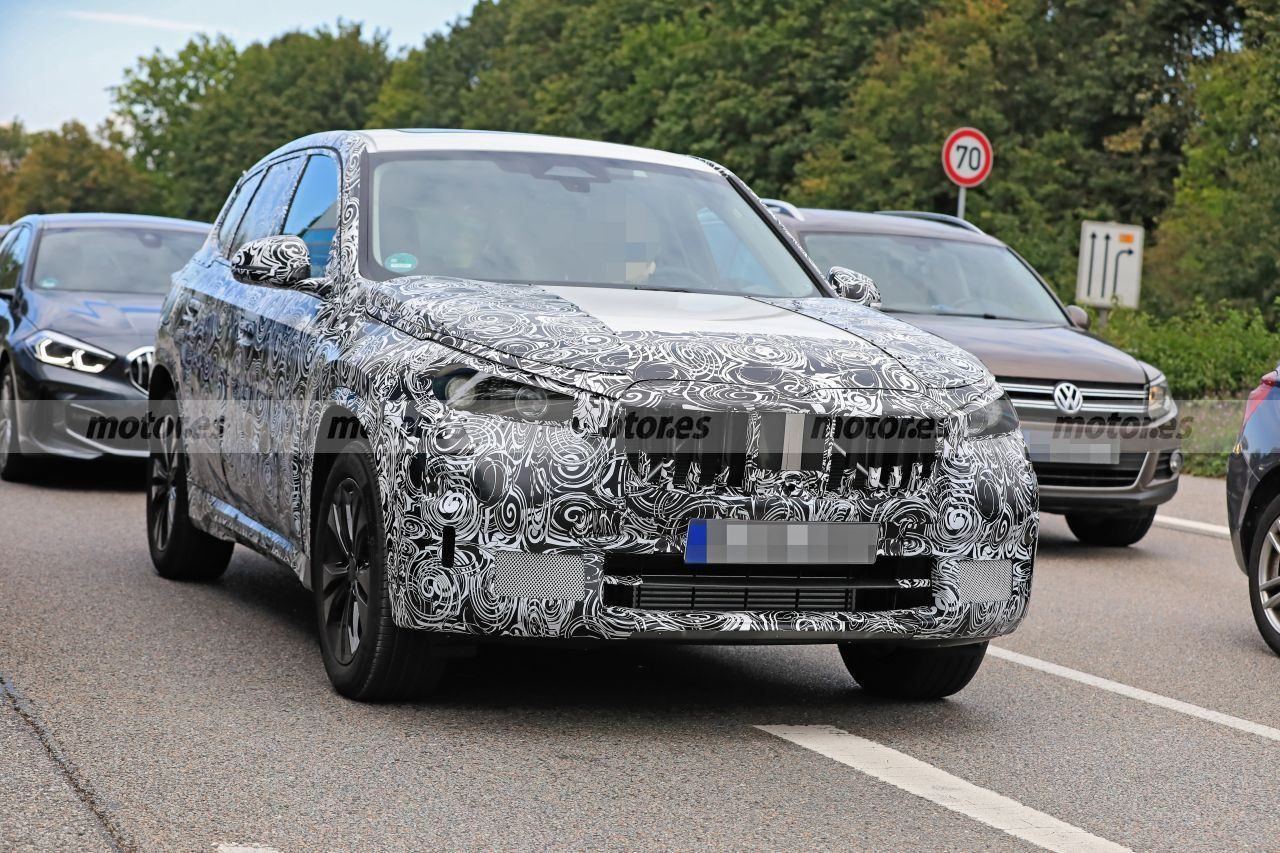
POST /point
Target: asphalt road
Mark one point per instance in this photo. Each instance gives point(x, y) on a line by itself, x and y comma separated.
point(144, 714)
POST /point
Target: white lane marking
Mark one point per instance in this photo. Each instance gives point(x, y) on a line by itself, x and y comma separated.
point(1138, 693)
point(1186, 525)
point(243, 848)
point(938, 786)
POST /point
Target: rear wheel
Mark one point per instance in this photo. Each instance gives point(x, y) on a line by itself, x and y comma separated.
point(179, 550)
point(366, 655)
point(1264, 576)
point(14, 465)
point(1113, 531)
point(904, 672)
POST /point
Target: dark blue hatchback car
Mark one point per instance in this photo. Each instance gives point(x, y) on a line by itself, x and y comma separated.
point(80, 297)
point(1253, 504)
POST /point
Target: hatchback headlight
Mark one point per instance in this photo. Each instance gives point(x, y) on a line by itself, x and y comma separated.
point(62, 351)
point(995, 418)
point(1159, 401)
point(483, 394)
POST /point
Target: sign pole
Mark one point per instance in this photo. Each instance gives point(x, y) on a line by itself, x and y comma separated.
point(960, 205)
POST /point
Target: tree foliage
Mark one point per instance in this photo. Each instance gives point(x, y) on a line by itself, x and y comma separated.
point(1159, 112)
point(68, 171)
point(207, 124)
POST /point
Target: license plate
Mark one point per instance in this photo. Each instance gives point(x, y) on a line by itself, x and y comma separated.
point(718, 540)
point(1071, 451)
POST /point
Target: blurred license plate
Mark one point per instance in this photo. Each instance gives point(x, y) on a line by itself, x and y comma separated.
point(1076, 451)
point(717, 540)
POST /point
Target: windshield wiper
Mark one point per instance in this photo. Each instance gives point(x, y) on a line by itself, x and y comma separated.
point(986, 315)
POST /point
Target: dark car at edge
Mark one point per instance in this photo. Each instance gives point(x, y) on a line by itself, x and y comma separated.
point(80, 297)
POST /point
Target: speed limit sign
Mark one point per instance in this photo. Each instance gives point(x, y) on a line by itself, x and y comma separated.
point(966, 158)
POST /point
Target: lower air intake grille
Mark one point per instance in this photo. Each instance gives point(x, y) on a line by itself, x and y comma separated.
point(1123, 473)
point(663, 582)
point(518, 574)
point(984, 580)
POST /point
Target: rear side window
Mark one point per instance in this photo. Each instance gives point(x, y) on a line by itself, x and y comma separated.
point(13, 251)
point(236, 211)
point(313, 215)
point(265, 214)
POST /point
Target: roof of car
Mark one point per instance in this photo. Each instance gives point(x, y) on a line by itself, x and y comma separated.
point(57, 220)
point(411, 139)
point(813, 219)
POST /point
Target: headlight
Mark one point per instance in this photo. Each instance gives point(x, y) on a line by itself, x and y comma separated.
point(995, 418)
point(1158, 399)
point(62, 351)
point(469, 391)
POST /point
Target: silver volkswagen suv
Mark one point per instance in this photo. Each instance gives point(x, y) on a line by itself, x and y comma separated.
point(1101, 425)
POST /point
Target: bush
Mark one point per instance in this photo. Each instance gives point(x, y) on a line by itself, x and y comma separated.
point(1212, 349)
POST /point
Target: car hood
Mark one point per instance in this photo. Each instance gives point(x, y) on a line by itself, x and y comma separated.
point(116, 321)
point(1021, 350)
point(804, 343)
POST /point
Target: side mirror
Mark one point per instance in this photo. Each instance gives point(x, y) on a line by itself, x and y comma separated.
point(1078, 316)
point(854, 286)
point(282, 260)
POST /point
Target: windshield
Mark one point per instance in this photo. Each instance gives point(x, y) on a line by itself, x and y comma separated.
point(571, 220)
point(926, 275)
point(116, 260)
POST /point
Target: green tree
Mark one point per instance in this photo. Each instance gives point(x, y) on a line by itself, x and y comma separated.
point(69, 171)
point(1218, 239)
point(156, 106)
point(743, 83)
point(1085, 101)
point(200, 128)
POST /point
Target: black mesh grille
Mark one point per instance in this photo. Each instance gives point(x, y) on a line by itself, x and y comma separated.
point(665, 583)
point(1124, 473)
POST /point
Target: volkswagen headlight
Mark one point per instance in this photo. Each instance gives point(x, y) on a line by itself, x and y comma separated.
point(62, 351)
point(994, 418)
point(1159, 401)
point(484, 394)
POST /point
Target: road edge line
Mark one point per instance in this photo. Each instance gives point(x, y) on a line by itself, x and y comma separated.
point(1186, 525)
point(941, 788)
point(1121, 689)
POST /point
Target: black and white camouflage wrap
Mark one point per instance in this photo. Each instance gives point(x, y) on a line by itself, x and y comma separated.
point(278, 259)
point(276, 362)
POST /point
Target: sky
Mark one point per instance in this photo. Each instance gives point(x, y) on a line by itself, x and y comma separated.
point(57, 57)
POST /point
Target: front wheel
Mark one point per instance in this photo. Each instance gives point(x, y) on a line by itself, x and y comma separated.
point(367, 656)
point(913, 673)
point(1111, 531)
point(14, 465)
point(1264, 576)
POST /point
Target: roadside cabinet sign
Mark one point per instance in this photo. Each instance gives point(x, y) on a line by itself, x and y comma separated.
point(1110, 269)
point(966, 157)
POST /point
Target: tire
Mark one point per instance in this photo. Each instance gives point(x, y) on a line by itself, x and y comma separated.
point(1110, 531)
point(1264, 575)
point(368, 658)
point(913, 673)
point(15, 466)
point(179, 550)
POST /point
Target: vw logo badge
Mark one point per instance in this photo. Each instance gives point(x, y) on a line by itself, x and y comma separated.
point(1067, 398)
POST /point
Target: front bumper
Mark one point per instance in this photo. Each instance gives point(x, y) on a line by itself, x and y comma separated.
point(78, 415)
point(485, 499)
point(1098, 467)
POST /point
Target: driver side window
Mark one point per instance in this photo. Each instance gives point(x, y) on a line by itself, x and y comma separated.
point(13, 251)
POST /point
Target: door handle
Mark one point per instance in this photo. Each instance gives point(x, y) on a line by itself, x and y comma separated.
point(246, 332)
point(191, 311)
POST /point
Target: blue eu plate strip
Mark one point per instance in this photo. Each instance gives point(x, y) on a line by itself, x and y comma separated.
point(695, 549)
